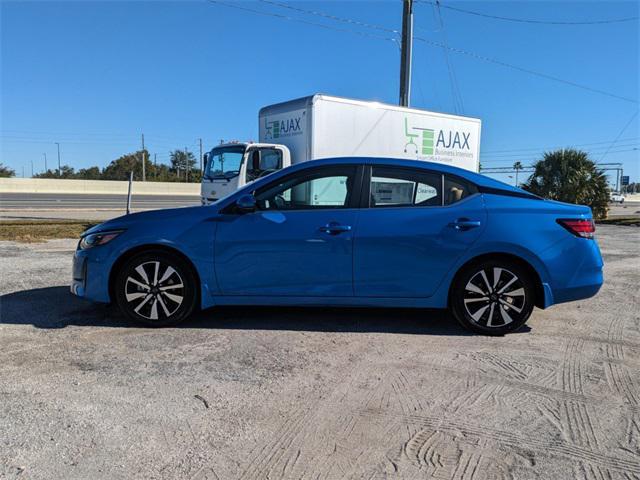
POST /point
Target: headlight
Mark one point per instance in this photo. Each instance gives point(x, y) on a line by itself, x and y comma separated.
point(99, 238)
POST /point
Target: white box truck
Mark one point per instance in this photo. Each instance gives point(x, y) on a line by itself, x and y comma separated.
point(322, 126)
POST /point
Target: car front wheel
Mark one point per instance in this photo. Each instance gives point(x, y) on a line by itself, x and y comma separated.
point(493, 297)
point(156, 288)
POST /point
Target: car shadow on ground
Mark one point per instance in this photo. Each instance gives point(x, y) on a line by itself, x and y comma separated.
point(55, 308)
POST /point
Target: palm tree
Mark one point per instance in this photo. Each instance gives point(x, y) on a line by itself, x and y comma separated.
point(570, 176)
point(517, 167)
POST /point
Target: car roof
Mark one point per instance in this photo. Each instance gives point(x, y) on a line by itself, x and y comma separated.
point(478, 179)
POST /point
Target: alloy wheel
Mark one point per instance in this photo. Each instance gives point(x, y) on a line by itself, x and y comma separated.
point(154, 290)
point(495, 297)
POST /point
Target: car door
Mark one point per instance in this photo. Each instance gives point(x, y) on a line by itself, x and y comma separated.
point(417, 224)
point(299, 240)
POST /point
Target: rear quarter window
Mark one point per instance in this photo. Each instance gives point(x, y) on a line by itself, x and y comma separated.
point(456, 189)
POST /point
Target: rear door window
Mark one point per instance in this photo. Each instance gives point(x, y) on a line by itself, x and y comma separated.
point(395, 187)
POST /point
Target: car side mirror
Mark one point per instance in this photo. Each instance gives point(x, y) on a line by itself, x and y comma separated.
point(246, 204)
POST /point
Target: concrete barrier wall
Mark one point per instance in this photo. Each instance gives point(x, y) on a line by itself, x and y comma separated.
point(111, 187)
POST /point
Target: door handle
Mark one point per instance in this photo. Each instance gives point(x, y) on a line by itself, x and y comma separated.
point(334, 228)
point(464, 224)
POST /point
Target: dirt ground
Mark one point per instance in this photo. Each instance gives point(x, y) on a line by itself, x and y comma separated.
point(318, 393)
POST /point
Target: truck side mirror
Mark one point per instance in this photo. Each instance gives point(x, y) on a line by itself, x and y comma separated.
point(205, 160)
point(246, 203)
point(255, 159)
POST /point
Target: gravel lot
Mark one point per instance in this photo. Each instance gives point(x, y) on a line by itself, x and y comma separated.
point(321, 393)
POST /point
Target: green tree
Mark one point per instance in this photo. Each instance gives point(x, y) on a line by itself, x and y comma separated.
point(183, 165)
point(91, 173)
point(570, 176)
point(119, 169)
point(6, 172)
point(517, 167)
point(47, 174)
point(65, 172)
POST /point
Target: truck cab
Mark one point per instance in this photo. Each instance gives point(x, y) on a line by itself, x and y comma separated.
point(232, 165)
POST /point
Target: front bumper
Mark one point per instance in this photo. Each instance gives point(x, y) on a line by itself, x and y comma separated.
point(89, 277)
point(78, 275)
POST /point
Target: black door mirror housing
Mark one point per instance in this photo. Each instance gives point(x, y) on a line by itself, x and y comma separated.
point(246, 204)
point(255, 159)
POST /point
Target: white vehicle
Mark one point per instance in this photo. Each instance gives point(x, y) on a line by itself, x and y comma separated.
point(617, 197)
point(322, 126)
point(230, 166)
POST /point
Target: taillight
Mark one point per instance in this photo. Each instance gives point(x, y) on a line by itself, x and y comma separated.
point(578, 226)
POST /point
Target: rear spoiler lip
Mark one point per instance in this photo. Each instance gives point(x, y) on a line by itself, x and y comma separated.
point(508, 193)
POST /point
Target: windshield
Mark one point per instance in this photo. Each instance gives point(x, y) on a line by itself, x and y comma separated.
point(224, 162)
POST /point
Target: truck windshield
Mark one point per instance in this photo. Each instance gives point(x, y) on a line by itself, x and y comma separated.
point(224, 162)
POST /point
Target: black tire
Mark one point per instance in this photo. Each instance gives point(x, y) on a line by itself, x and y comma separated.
point(491, 306)
point(156, 288)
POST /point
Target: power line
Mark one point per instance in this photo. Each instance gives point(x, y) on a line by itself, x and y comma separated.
point(299, 20)
point(432, 43)
point(511, 160)
point(551, 148)
point(528, 20)
point(597, 149)
point(620, 134)
point(88, 137)
point(332, 17)
point(525, 70)
point(455, 90)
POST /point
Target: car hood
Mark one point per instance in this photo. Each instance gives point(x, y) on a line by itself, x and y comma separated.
point(169, 216)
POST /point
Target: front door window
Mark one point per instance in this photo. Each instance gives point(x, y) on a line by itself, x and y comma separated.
point(324, 189)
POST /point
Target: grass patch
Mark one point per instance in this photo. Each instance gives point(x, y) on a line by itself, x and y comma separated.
point(33, 231)
point(626, 221)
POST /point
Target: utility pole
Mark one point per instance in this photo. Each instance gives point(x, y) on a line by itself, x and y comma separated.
point(186, 165)
point(201, 171)
point(45, 163)
point(144, 173)
point(59, 169)
point(31, 168)
point(405, 55)
point(155, 165)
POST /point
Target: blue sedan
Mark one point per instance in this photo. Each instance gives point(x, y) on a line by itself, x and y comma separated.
point(353, 232)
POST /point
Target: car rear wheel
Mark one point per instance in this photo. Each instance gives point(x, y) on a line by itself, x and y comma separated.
point(493, 297)
point(156, 288)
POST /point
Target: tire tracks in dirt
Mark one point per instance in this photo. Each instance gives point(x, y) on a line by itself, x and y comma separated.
point(576, 418)
point(616, 371)
point(553, 446)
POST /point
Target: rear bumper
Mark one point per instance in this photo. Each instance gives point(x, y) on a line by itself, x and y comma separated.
point(575, 270)
point(576, 293)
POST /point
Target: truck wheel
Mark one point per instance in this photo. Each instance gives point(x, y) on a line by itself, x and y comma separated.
point(492, 297)
point(156, 288)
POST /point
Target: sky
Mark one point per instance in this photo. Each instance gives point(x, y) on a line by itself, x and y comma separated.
point(93, 76)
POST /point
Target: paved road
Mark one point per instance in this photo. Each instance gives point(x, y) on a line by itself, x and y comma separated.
point(241, 393)
point(103, 207)
point(58, 201)
point(627, 209)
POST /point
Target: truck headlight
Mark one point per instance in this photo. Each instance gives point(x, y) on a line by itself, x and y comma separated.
point(98, 238)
